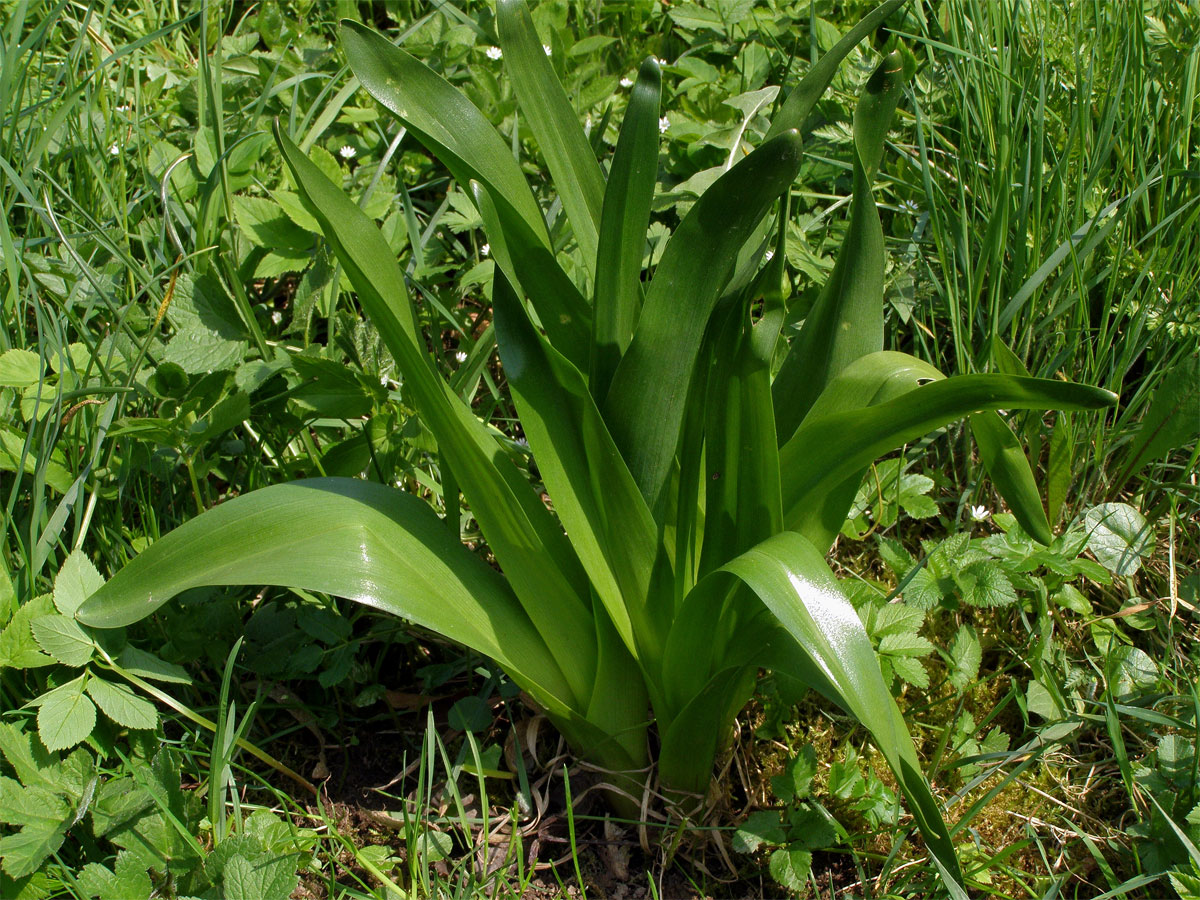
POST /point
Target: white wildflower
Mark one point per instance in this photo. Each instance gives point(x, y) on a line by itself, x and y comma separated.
point(347, 152)
point(485, 249)
point(663, 124)
point(114, 149)
point(494, 52)
point(769, 255)
point(546, 49)
point(980, 513)
point(626, 82)
point(276, 317)
point(124, 107)
point(460, 357)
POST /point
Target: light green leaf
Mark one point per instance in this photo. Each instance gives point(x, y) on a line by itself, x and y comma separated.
point(1120, 537)
point(984, 584)
point(18, 649)
point(905, 644)
point(762, 827)
point(22, 853)
point(63, 639)
point(790, 867)
point(76, 581)
point(965, 656)
point(267, 877)
point(19, 368)
point(121, 705)
point(65, 715)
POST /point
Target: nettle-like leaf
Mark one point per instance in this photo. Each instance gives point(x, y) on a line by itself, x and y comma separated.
point(65, 715)
point(42, 801)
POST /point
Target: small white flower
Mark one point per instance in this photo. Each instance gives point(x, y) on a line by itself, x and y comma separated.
point(494, 52)
point(661, 62)
point(980, 513)
point(587, 123)
point(626, 82)
point(124, 107)
point(663, 124)
point(276, 317)
point(460, 357)
point(347, 152)
point(769, 255)
point(546, 49)
point(910, 206)
point(485, 249)
point(114, 149)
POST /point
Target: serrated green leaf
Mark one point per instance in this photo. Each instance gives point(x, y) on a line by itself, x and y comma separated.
point(896, 618)
point(984, 583)
point(64, 639)
point(28, 757)
point(790, 867)
point(22, 853)
point(18, 648)
point(1120, 537)
point(121, 705)
point(19, 368)
point(965, 656)
point(762, 827)
point(38, 806)
point(65, 715)
point(910, 670)
point(268, 877)
point(77, 580)
point(905, 644)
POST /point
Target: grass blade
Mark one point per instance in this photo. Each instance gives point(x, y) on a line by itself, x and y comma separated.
point(1009, 469)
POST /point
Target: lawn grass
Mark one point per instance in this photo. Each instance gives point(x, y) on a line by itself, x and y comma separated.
point(174, 335)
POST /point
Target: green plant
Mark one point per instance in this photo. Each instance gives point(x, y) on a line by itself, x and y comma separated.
point(699, 467)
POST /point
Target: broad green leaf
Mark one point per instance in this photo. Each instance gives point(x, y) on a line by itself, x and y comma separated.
point(529, 544)
point(354, 539)
point(1009, 469)
point(846, 322)
point(121, 705)
point(76, 581)
point(825, 451)
point(442, 118)
point(623, 222)
point(28, 758)
point(690, 278)
point(63, 639)
point(1059, 468)
point(1120, 537)
point(594, 494)
point(555, 125)
point(791, 579)
point(804, 96)
point(65, 715)
point(560, 307)
point(743, 503)
point(762, 827)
